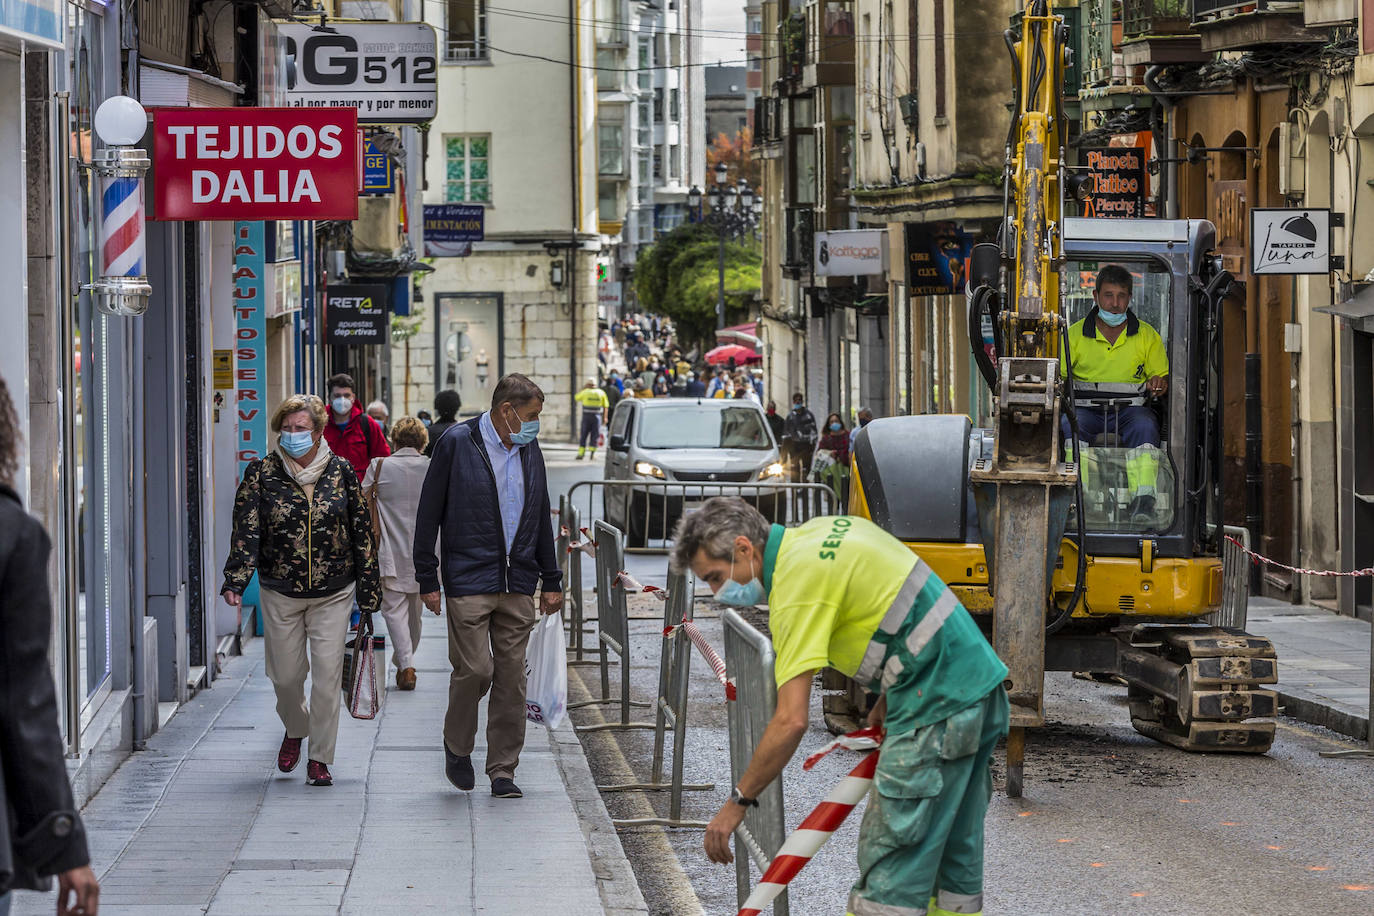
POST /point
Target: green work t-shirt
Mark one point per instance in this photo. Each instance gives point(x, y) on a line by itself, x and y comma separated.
point(1132, 359)
point(592, 399)
point(833, 586)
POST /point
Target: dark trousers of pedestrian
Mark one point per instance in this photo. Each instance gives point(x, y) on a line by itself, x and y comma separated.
point(591, 431)
point(1135, 425)
point(487, 636)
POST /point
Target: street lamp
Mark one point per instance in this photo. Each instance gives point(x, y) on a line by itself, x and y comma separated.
point(733, 210)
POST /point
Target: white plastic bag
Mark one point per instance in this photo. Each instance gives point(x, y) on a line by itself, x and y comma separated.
point(546, 673)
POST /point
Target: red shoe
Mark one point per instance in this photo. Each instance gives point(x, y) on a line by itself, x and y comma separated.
point(290, 754)
point(317, 774)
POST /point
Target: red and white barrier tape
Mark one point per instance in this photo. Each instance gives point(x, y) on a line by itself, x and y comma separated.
point(1299, 571)
point(818, 827)
point(713, 659)
point(586, 544)
point(865, 739)
point(630, 584)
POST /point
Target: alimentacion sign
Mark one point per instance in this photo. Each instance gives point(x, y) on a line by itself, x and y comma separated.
point(255, 163)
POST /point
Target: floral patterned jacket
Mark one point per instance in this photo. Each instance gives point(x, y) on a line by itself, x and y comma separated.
point(305, 550)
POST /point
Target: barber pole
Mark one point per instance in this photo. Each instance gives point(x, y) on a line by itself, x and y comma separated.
point(122, 288)
point(122, 245)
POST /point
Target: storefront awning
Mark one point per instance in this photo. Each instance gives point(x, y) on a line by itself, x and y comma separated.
point(745, 335)
point(1358, 310)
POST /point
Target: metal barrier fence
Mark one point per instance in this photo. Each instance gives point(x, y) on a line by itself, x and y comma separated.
point(647, 510)
point(1235, 581)
point(613, 628)
point(749, 661)
point(674, 673)
point(570, 521)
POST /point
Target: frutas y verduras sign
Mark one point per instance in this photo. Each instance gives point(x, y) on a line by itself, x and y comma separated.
point(255, 163)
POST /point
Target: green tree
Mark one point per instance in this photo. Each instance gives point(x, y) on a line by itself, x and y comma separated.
point(677, 276)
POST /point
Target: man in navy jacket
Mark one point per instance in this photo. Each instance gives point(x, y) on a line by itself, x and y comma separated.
point(486, 499)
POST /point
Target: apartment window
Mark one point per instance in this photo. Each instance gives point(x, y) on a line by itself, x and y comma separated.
point(607, 67)
point(467, 164)
point(756, 62)
point(645, 64)
point(610, 145)
point(658, 105)
point(610, 24)
point(675, 104)
point(608, 201)
point(644, 130)
point(658, 163)
point(465, 24)
point(674, 156)
point(646, 185)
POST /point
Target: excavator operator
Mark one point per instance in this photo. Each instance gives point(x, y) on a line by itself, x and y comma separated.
point(1112, 345)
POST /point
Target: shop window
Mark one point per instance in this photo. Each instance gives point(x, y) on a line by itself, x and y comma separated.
point(465, 22)
point(467, 168)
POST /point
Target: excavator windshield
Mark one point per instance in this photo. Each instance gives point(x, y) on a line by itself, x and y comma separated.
point(1128, 477)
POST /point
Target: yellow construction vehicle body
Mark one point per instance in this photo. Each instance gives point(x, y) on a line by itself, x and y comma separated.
point(1144, 586)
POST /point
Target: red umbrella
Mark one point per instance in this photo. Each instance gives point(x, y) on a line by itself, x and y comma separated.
point(723, 354)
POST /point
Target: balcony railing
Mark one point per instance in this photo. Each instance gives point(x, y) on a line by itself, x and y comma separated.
point(767, 119)
point(1155, 17)
point(1096, 37)
point(798, 227)
point(792, 45)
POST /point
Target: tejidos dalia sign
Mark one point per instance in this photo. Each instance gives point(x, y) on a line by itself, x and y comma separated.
point(255, 163)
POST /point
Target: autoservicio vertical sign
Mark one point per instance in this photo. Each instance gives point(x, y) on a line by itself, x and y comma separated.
point(250, 339)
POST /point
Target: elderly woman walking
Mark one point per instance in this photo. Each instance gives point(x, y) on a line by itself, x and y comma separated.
point(393, 487)
point(300, 521)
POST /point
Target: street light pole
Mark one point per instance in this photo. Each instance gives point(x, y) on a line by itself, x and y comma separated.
point(720, 285)
point(731, 211)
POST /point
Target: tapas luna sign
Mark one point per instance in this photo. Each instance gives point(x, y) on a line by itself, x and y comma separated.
point(1287, 241)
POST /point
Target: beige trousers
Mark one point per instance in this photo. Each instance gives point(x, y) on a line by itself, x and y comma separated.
point(401, 611)
point(289, 626)
point(487, 635)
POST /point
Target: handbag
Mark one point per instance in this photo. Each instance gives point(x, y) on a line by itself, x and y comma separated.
point(372, 510)
point(360, 671)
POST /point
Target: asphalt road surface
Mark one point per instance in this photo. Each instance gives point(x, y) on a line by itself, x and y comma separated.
point(1111, 821)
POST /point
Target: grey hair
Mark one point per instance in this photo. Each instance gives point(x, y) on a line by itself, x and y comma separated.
point(713, 529)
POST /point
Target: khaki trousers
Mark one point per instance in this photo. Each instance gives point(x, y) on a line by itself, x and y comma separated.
point(401, 611)
point(288, 626)
point(487, 635)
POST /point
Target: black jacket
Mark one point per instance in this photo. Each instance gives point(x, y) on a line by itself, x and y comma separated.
point(458, 505)
point(41, 833)
point(799, 428)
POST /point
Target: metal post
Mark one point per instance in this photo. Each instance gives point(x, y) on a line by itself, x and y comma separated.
point(70, 515)
point(720, 286)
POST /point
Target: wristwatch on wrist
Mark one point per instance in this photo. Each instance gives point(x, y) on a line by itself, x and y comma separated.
point(738, 798)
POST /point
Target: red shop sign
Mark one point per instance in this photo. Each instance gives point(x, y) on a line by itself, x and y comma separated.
point(255, 163)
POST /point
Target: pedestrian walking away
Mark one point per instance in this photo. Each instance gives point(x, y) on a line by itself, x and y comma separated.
point(447, 403)
point(595, 407)
point(300, 522)
point(393, 486)
point(41, 833)
point(487, 476)
point(352, 434)
point(843, 593)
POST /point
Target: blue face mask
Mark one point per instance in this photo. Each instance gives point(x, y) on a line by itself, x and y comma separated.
point(1112, 319)
point(836, 427)
point(529, 429)
point(296, 444)
point(737, 594)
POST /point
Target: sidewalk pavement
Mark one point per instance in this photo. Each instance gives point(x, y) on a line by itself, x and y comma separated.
point(202, 823)
point(1323, 663)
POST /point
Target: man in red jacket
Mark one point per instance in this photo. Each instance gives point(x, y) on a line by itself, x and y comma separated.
point(352, 435)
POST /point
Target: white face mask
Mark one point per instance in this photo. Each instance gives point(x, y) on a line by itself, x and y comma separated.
point(342, 404)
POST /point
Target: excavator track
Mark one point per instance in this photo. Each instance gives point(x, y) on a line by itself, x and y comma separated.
point(1198, 688)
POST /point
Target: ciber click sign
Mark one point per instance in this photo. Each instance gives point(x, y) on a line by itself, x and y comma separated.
point(256, 163)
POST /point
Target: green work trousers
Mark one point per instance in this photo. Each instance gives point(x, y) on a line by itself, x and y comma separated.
point(921, 842)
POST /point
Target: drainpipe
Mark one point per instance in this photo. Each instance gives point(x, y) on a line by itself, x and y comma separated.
point(1254, 434)
point(1169, 191)
point(575, 151)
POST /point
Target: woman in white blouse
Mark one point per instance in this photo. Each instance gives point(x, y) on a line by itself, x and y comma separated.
point(393, 484)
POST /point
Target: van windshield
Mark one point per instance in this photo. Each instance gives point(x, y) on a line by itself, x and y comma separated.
point(704, 427)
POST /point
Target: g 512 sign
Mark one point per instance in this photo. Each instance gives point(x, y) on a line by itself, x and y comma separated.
point(1290, 241)
point(385, 70)
point(255, 163)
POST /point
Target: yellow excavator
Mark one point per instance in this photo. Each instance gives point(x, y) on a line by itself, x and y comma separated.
point(1038, 532)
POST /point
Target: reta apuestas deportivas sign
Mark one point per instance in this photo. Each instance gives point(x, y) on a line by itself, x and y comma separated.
point(255, 163)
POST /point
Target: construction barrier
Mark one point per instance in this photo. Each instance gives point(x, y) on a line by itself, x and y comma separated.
point(571, 541)
point(647, 511)
point(613, 628)
point(1235, 580)
point(674, 674)
point(749, 665)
